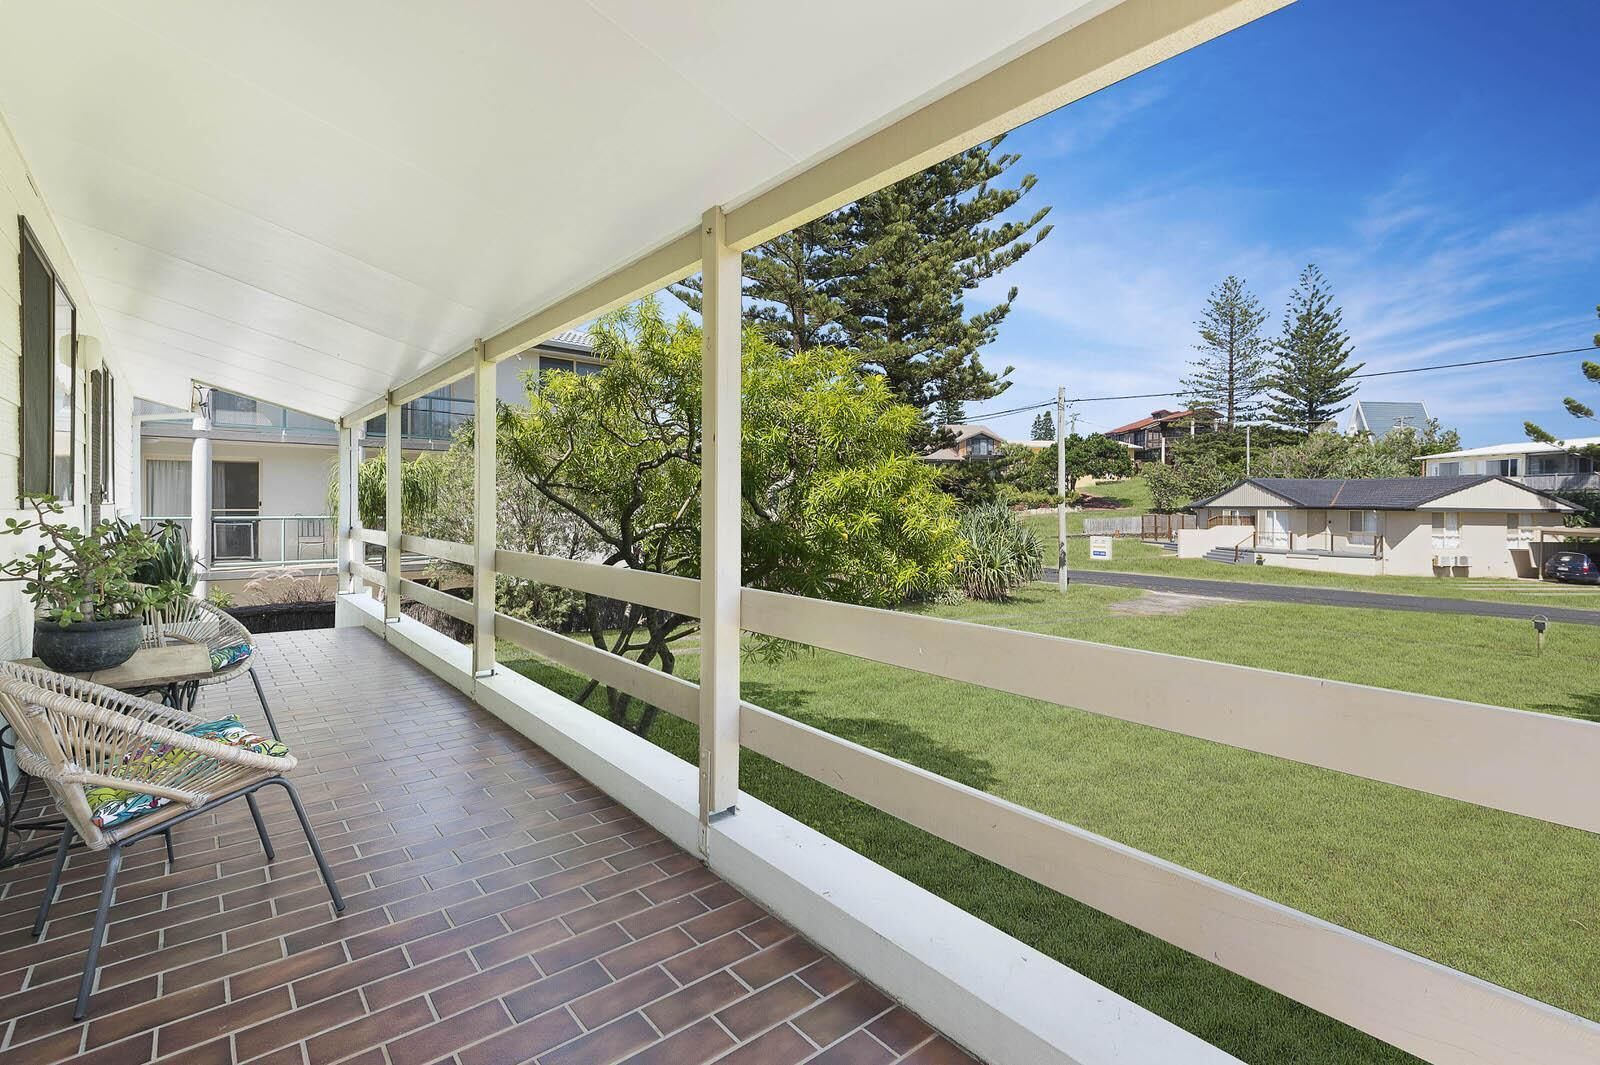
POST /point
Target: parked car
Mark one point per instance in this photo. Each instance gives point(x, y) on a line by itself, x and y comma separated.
point(1572, 566)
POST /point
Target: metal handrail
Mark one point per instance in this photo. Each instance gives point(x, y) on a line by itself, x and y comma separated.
point(228, 520)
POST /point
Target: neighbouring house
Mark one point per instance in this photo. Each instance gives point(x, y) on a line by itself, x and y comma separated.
point(1545, 467)
point(1150, 437)
point(1479, 525)
point(971, 442)
point(1380, 417)
point(270, 465)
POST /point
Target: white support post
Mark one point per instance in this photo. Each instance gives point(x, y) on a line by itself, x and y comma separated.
point(391, 511)
point(345, 522)
point(720, 548)
point(200, 502)
point(485, 502)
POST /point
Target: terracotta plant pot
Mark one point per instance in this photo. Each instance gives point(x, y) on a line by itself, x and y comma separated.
point(85, 646)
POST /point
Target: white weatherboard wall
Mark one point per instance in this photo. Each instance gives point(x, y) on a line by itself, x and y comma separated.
point(18, 196)
point(1003, 1000)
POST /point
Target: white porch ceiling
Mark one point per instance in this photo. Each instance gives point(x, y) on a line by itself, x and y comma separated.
point(312, 202)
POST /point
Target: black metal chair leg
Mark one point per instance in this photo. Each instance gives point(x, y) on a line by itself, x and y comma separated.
point(311, 838)
point(261, 828)
point(172, 859)
point(272, 726)
point(55, 882)
point(107, 889)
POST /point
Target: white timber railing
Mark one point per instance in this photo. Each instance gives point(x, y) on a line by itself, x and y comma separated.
point(1532, 764)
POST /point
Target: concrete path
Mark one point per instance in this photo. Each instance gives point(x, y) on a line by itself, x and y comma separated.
point(1287, 593)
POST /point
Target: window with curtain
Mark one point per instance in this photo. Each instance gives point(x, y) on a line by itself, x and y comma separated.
point(166, 488)
point(1363, 527)
point(1446, 530)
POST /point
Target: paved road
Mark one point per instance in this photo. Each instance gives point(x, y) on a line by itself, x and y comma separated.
point(1285, 593)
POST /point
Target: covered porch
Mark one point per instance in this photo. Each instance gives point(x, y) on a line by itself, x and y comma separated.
point(528, 881)
point(501, 908)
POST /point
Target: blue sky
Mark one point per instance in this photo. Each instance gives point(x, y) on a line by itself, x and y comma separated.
point(1438, 159)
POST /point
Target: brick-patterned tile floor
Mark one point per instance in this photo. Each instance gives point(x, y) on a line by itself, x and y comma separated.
point(501, 910)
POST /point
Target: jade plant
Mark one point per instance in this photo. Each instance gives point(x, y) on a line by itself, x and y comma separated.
point(76, 575)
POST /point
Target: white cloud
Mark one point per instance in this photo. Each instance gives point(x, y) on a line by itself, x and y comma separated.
point(1107, 304)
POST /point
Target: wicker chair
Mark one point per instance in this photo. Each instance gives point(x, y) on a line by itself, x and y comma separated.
point(73, 735)
point(192, 620)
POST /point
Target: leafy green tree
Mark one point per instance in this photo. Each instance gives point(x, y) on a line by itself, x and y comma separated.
point(1177, 486)
point(1398, 453)
point(836, 505)
point(887, 276)
point(1231, 373)
point(1044, 427)
point(1310, 375)
point(1591, 373)
point(1228, 445)
point(1033, 469)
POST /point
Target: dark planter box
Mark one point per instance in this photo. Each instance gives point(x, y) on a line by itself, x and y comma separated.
point(284, 617)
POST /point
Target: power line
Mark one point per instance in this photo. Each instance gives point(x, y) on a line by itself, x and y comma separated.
point(1374, 373)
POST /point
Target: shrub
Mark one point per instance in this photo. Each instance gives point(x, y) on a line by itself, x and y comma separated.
point(1000, 553)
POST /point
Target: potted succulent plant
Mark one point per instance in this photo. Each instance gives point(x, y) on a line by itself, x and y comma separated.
point(88, 600)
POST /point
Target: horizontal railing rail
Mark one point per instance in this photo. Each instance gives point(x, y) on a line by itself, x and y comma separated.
point(1538, 765)
point(449, 550)
point(444, 602)
point(675, 695)
point(681, 595)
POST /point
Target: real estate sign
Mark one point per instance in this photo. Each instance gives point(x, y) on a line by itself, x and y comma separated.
point(1099, 547)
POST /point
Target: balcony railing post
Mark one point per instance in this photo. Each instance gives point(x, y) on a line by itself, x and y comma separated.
point(720, 548)
point(485, 502)
point(345, 522)
point(391, 511)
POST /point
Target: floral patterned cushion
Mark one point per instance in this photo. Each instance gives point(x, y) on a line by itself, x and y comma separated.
point(111, 806)
point(223, 657)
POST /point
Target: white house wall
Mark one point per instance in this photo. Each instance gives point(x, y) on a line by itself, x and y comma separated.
point(18, 196)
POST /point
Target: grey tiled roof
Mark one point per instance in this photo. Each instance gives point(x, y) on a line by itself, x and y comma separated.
point(1360, 493)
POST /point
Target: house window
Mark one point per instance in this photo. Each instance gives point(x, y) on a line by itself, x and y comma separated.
point(1446, 530)
point(1519, 529)
point(49, 375)
point(982, 447)
point(1274, 528)
point(1501, 467)
point(548, 365)
point(1363, 529)
point(1446, 469)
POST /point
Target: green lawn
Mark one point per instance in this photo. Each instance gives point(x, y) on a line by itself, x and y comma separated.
point(1131, 556)
point(1503, 897)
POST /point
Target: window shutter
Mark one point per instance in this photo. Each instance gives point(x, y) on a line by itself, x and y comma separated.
point(38, 403)
point(97, 399)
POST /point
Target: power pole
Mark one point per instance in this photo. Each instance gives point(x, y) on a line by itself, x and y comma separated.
point(1061, 489)
point(1247, 451)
